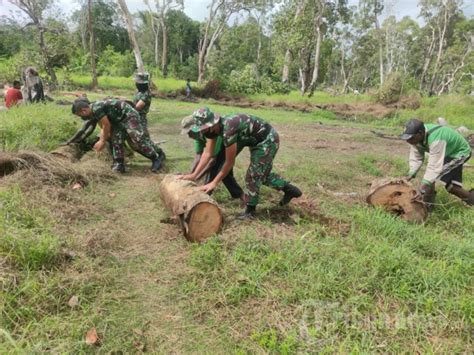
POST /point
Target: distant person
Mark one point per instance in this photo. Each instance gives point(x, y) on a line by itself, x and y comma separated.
point(33, 86)
point(142, 98)
point(447, 152)
point(119, 121)
point(217, 161)
point(13, 96)
point(188, 88)
point(236, 131)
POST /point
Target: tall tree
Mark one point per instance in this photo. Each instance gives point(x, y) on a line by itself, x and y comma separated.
point(92, 44)
point(162, 9)
point(131, 34)
point(35, 10)
point(372, 9)
point(219, 14)
point(325, 14)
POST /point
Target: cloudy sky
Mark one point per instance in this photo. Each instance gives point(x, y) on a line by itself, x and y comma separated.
point(197, 9)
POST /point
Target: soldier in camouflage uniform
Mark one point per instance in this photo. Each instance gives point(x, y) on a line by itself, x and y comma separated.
point(217, 161)
point(119, 121)
point(263, 142)
point(142, 98)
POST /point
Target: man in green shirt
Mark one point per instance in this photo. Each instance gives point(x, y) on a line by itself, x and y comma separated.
point(242, 130)
point(119, 121)
point(216, 162)
point(447, 152)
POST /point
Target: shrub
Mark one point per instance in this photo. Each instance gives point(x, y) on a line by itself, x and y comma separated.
point(248, 81)
point(116, 64)
point(391, 89)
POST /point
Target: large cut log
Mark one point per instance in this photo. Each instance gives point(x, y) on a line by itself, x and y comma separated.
point(396, 196)
point(198, 213)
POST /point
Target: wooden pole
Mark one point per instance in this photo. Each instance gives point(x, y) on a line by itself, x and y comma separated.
point(199, 215)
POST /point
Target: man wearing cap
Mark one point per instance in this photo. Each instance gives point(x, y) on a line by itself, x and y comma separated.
point(215, 163)
point(240, 130)
point(447, 152)
point(119, 121)
point(142, 99)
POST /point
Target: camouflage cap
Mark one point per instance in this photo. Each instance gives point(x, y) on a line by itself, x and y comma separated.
point(187, 124)
point(205, 118)
point(142, 78)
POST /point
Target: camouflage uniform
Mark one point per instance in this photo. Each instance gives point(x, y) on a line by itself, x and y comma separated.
point(263, 142)
point(126, 123)
point(146, 98)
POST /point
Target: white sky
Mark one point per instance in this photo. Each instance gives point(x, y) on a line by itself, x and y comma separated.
point(197, 9)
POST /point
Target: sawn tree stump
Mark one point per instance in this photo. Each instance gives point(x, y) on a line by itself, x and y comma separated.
point(199, 215)
point(395, 196)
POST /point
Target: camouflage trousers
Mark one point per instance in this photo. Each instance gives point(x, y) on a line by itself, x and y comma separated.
point(132, 130)
point(260, 169)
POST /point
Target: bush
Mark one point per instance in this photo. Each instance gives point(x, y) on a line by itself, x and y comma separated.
point(248, 81)
point(116, 64)
point(391, 89)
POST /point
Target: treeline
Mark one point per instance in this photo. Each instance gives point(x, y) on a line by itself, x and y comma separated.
point(253, 46)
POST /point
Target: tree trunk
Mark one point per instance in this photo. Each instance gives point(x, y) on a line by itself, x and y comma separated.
point(131, 35)
point(164, 55)
point(317, 53)
point(381, 69)
point(199, 215)
point(47, 64)
point(92, 45)
point(441, 43)
point(395, 196)
point(428, 58)
point(286, 67)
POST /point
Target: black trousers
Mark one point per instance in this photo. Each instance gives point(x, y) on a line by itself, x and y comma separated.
point(229, 181)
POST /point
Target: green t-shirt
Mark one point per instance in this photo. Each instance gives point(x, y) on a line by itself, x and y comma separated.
point(200, 144)
point(456, 145)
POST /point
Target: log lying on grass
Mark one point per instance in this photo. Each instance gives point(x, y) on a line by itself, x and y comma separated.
point(395, 196)
point(199, 215)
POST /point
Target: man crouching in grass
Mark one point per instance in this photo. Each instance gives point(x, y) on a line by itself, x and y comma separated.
point(447, 152)
point(239, 130)
point(119, 121)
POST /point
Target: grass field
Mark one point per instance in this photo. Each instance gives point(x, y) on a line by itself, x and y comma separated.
point(326, 274)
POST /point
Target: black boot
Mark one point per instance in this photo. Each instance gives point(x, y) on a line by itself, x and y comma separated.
point(156, 163)
point(118, 166)
point(249, 214)
point(470, 199)
point(291, 191)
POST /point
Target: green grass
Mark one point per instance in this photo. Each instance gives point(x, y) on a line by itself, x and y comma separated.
point(335, 276)
point(121, 83)
point(319, 97)
point(39, 126)
point(456, 109)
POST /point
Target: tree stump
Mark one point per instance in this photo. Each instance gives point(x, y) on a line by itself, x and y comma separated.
point(395, 196)
point(199, 215)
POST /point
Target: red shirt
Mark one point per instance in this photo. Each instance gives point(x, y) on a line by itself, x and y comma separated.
point(12, 97)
